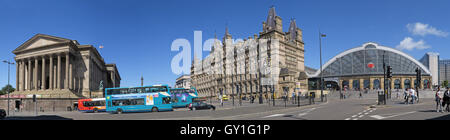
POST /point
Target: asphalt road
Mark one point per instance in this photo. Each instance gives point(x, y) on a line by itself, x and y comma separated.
point(334, 109)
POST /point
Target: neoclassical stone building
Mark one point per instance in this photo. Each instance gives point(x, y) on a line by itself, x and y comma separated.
point(231, 82)
point(55, 67)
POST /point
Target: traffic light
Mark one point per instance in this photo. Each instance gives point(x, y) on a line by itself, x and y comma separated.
point(389, 72)
point(418, 74)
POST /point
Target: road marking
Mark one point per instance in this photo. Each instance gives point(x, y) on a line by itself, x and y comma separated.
point(274, 115)
point(355, 119)
point(361, 116)
point(379, 117)
point(354, 116)
point(306, 112)
point(348, 119)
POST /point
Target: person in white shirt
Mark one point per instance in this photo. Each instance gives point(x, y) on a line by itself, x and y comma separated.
point(407, 94)
point(439, 97)
point(413, 95)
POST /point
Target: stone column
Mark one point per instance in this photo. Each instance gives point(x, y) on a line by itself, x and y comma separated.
point(29, 75)
point(382, 83)
point(361, 83)
point(35, 74)
point(55, 78)
point(70, 76)
point(17, 75)
point(113, 79)
point(371, 83)
point(402, 83)
point(50, 73)
point(58, 73)
point(23, 75)
point(66, 78)
point(350, 84)
point(391, 85)
point(421, 84)
point(44, 81)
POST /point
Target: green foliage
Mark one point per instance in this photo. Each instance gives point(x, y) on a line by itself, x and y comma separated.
point(5, 89)
point(444, 84)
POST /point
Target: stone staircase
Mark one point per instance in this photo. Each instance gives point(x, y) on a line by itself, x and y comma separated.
point(63, 93)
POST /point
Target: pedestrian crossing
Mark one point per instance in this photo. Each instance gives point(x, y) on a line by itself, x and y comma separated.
point(361, 114)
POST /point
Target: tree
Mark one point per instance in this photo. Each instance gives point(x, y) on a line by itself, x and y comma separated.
point(5, 89)
point(445, 84)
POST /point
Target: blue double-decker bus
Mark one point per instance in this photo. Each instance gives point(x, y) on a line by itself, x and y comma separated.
point(138, 99)
point(182, 97)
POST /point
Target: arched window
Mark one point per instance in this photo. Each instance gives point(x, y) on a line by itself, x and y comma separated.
point(376, 84)
point(416, 84)
point(367, 84)
point(426, 84)
point(407, 83)
point(356, 84)
point(397, 84)
point(345, 84)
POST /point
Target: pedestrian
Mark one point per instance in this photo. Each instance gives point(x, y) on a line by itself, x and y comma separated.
point(412, 92)
point(293, 97)
point(446, 100)
point(221, 99)
point(438, 97)
point(360, 94)
point(406, 94)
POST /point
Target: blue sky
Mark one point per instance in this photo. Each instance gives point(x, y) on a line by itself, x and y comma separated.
point(137, 34)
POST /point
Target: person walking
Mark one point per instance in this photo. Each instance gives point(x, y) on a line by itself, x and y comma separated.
point(360, 94)
point(438, 98)
point(406, 93)
point(446, 102)
point(221, 99)
point(413, 95)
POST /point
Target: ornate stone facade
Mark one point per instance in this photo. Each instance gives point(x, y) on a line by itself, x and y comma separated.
point(54, 67)
point(233, 82)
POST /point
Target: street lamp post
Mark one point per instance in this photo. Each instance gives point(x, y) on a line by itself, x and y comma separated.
point(321, 70)
point(8, 86)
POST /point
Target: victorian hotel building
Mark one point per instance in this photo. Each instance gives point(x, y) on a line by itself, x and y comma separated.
point(238, 72)
point(59, 71)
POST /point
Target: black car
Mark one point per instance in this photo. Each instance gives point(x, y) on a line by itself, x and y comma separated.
point(200, 105)
point(2, 114)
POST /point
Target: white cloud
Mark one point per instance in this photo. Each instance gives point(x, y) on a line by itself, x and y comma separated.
point(425, 29)
point(409, 44)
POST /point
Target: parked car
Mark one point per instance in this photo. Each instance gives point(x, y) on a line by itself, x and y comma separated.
point(200, 105)
point(2, 114)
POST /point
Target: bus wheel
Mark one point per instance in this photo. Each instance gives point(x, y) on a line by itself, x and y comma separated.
point(119, 111)
point(95, 110)
point(155, 109)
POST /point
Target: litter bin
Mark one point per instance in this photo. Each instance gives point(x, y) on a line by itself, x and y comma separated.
point(69, 108)
point(381, 98)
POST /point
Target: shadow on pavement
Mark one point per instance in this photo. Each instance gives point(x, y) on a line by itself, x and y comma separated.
point(445, 117)
point(426, 111)
point(42, 117)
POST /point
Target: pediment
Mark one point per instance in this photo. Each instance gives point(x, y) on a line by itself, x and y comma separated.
point(40, 40)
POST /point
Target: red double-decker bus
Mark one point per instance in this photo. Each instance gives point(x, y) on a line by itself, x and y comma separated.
point(92, 105)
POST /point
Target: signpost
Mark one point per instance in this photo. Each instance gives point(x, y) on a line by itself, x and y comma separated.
point(35, 104)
